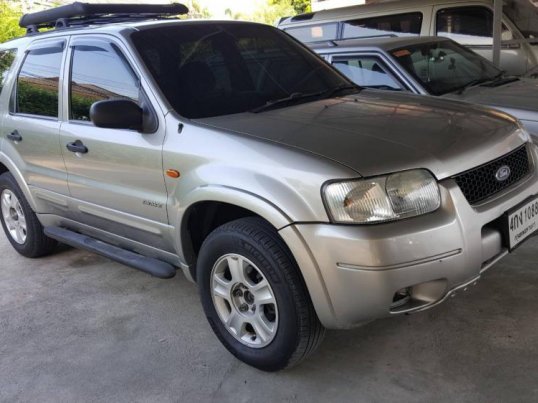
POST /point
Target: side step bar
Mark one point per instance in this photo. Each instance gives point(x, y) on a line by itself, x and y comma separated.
point(146, 264)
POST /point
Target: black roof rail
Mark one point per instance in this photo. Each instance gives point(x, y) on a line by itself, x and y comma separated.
point(351, 38)
point(80, 14)
point(303, 17)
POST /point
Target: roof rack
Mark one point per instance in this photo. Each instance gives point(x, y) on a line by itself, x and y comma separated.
point(80, 14)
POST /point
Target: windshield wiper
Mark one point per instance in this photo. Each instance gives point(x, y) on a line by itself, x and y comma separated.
point(298, 96)
point(295, 96)
point(345, 87)
point(482, 80)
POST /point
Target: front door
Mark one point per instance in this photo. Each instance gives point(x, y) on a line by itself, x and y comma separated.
point(117, 182)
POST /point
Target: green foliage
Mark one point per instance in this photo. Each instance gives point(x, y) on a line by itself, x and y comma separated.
point(299, 6)
point(196, 10)
point(37, 100)
point(6, 60)
point(10, 13)
point(302, 6)
point(272, 11)
point(80, 107)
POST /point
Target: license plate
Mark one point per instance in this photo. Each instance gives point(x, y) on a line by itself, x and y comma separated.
point(522, 223)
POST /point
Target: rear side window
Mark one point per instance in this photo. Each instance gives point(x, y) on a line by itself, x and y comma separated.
point(387, 25)
point(367, 71)
point(99, 72)
point(468, 25)
point(6, 60)
point(37, 83)
point(314, 33)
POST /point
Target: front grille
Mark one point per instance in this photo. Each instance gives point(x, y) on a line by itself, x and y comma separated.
point(481, 183)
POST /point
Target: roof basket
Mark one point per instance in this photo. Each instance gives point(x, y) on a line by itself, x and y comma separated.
point(80, 14)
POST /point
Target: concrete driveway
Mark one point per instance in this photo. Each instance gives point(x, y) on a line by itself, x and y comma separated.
point(77, 327)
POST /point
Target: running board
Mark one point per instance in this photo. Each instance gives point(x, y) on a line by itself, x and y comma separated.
point(146, 264)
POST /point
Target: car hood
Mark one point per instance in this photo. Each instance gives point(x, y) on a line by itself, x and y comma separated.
point(378, 132)
point(519, 98)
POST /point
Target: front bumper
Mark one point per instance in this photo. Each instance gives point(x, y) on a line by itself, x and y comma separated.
point(353, 273)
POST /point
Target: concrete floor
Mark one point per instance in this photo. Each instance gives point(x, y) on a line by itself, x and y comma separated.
point(77, 327)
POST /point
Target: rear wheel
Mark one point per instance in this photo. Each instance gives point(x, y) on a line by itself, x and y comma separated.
point(22, 228)
point(254, 297)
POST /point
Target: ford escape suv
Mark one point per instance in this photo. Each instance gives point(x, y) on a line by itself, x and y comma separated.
point(294, 199)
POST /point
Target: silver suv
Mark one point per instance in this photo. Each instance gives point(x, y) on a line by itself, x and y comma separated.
point(295, 200)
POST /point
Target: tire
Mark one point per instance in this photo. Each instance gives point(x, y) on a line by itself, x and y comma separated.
point(272, 324)
point(21, 226)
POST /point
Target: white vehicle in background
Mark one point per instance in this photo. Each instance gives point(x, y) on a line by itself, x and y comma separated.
point(469, 23)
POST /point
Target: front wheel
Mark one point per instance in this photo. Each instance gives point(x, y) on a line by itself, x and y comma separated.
point(254, 296)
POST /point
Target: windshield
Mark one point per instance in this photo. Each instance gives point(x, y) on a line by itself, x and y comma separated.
point(443, 67)
point(213, 69)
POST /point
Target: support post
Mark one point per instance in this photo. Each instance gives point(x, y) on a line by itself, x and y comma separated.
point(497, 31)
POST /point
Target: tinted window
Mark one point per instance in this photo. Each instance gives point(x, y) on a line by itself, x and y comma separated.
point(37, 84)
point(99, 72)
point(468, 25)
point(6, 60)
point(224, 68)
point(314, 33)
point(366, 71)
point(445, 66)
point(397, 24)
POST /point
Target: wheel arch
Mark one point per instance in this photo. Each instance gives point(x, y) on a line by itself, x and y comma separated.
point(7, 165)
point(208, 207)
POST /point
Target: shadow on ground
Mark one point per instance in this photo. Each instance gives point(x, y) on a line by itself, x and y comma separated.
point(78, 327)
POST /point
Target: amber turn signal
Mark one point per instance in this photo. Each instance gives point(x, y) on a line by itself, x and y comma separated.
point(172, 173)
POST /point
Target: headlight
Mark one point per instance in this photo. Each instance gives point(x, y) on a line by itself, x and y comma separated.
point(385, 198)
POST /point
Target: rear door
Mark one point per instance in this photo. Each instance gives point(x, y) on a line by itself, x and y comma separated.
point(117, 185)
point(31, 127)
point(472, 26)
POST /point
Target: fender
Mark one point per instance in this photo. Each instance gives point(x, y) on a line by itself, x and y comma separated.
point(12, 168)
point(218, 193)
point(279, 219)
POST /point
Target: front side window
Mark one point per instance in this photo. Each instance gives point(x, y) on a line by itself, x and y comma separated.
point(443, 67)
point(367, 71)
point(314, 33)
point(37, 83)
point(388, 25)
point(99, 72)
point(6, 60)
point(207, 70)
point(468, 25)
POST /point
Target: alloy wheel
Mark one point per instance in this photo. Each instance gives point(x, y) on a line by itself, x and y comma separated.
point(13, 216)
point(244, 300)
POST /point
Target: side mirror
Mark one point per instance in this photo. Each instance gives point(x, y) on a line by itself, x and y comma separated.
point(117, 114)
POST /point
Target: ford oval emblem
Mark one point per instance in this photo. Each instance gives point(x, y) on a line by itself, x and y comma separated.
point(503, 173)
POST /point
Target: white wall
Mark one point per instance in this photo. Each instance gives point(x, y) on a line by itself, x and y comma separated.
point(324, 4)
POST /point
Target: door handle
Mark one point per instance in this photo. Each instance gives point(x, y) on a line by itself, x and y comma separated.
point(77, 147)
point(14, 136)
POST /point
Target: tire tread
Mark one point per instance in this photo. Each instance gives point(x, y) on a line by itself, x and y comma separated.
point(311, 331)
